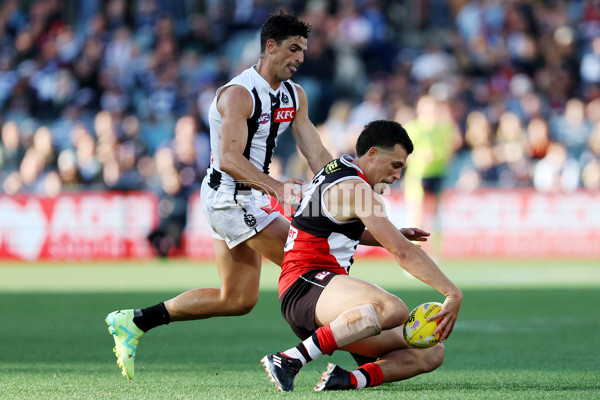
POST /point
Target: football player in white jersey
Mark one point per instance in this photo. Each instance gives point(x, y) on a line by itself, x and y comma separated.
point(246, 117)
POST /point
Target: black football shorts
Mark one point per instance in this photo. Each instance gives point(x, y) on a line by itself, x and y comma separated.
point(299, 301)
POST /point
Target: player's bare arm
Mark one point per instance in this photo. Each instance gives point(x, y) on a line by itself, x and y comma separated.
point(366, 205)
point(412, 234)
point(235, 106)
point(306, 136)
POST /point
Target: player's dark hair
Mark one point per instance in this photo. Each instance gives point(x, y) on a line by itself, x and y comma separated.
point(280, 27)
point(384, 134)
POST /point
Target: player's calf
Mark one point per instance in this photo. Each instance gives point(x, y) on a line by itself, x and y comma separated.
point(432, 358)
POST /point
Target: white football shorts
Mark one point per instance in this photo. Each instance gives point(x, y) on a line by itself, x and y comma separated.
point(235, 219)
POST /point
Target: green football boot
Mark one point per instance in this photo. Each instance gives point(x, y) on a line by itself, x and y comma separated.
point(126, 335)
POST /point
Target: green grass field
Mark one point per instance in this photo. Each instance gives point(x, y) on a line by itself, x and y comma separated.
point(527, 330)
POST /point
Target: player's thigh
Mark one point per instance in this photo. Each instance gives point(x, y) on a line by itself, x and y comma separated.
point(270, 241)
point(377, 346)
point(344, 292)
point(239, 269)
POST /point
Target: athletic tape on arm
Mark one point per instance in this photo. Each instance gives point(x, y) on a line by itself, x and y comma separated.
point(355, 324)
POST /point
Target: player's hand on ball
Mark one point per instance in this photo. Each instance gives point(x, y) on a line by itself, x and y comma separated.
point(448, 315)
point(418, 330)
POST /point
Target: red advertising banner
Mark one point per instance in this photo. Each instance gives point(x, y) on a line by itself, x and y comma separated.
point(520, 223)
point(486, 223)
point(82, 226)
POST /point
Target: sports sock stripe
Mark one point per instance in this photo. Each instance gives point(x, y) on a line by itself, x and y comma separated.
point(294, 352)
point(373, 373)
point(302, 350)
point(312, 348)
point(325, 340)
point(358, 379)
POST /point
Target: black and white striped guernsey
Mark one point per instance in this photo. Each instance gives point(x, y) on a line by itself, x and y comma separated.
point(273, 112)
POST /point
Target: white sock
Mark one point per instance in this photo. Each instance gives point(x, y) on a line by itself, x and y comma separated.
point(295, 353)
point(313, 350)
point(361, 380)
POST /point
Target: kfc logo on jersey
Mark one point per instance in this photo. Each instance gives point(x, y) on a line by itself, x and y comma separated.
point(268, 209)
point(284, 114)
point(263, 119)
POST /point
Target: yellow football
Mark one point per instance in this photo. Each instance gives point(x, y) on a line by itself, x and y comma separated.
point(417, 331)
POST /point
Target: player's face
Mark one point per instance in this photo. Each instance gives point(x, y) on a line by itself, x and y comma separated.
point(288, 56)
point(387, 167)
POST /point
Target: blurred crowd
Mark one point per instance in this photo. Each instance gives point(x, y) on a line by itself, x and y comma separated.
point(114, 94)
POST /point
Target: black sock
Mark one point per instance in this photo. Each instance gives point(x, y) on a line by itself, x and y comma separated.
point(151, 317)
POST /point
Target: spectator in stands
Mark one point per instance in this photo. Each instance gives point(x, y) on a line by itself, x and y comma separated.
point(32, 173)
point(172, 206)
point(372, 107)
point(572, 129)
point(353, 26)
point(509, 148)
point(129, 134)
point(478, 167)
point(120, 170)
point(334, 131)
point(556, 172)
point(592, 111)
point(43, 147)
point(590, 162)
point(11, 148)
point(68, 172)
point(538, 139)
point(88, 165)
point(537, 60)
point(590, 175)
point(590, 63)
point(317, 74)
point(8, 77)
point(432, 65)
point(191, 150)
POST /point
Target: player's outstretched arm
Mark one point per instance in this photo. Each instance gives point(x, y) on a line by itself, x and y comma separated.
point(369, 208)
point(412, 234)
point(235, 106)
point(306, 136)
